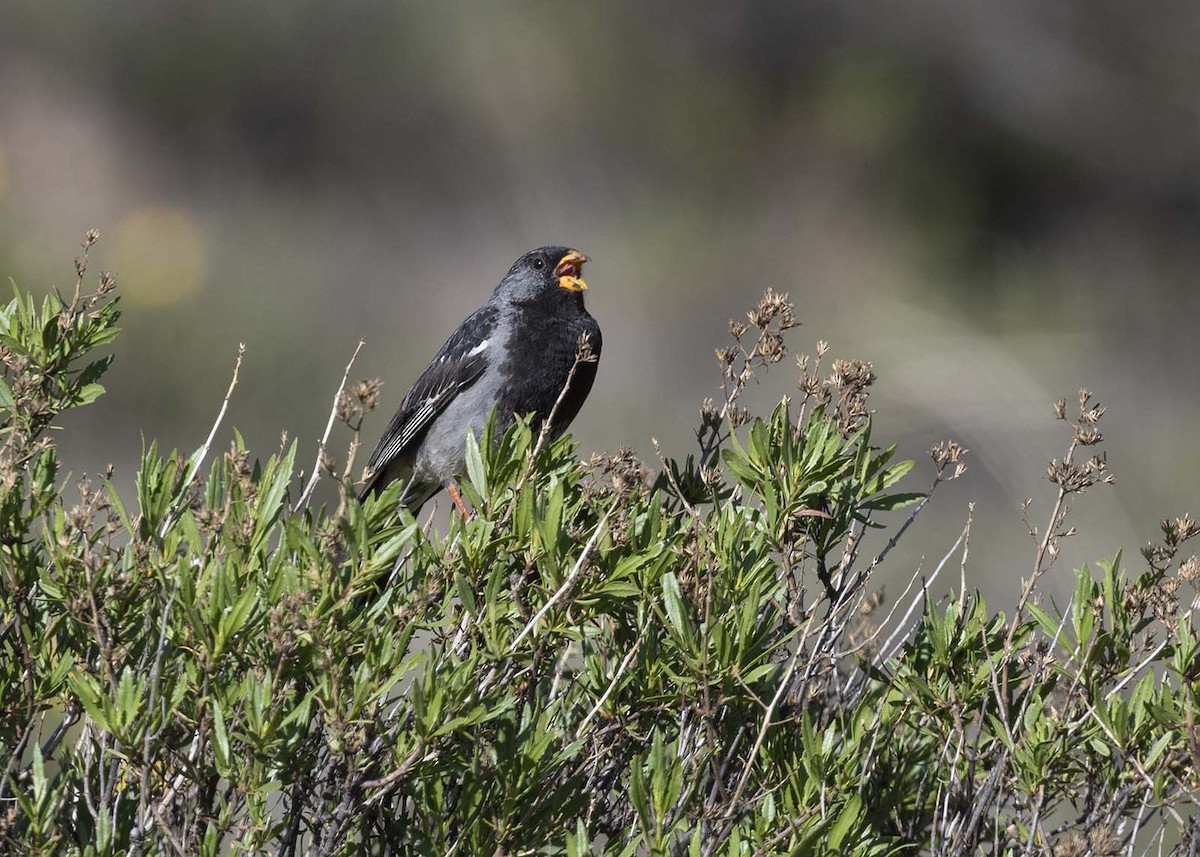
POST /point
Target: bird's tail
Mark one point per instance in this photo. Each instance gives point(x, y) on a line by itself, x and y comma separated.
point(369, 486)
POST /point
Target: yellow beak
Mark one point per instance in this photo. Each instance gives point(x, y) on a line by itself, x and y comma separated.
point(568, 270)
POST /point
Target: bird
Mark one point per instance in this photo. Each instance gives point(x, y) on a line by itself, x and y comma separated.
point(517, 354)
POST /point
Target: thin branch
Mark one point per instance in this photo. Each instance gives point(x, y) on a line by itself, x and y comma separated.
point(1146, 661)
point(762, 733)
point(612, 685)
point(384, 784)
point(566, 584)
point(155, 675)
point(193, 469)
point(1057, 515)
point(316, 471)
point(784, 682)
point(887, 645)
point(1166, 807)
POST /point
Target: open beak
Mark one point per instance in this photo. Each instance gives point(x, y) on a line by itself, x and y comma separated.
point(568, 271)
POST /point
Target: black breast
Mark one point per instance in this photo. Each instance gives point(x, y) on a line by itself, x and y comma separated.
point(541, 353)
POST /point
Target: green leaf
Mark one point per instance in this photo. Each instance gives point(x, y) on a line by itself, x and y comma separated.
point(1157, 750)
point(741, 469)
point(89, 393)
point(891, 502)
point(475, 471)
point(846, 821)
point(277, 477)
point(234, 617)
point(894, 473)
point(221, 739)
point(118, 505)
point(1047, 622)
point(677, 609)
point(466, 595)
point(639, 795)
point(129, 697)
point(87, 691)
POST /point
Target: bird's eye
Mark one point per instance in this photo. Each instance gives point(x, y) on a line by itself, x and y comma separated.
point(539, 263)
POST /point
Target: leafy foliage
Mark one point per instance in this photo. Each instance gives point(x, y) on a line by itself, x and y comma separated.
point(595, 662)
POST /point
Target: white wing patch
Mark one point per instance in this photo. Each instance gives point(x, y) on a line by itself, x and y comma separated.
point(479, 349)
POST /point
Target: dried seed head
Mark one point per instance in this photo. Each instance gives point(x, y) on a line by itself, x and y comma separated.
point(1103, 842)
point(871, 603)
point(852, 373)
point(208, 520)
point(239, 461)
point(1066, 475)
point(1157, 555)
point(1091, 416)
point(1075, 478)
point(1179, 531)
point(1098, 468)
point(864, 638)
point(771, 347)
point(949, 453)
point(79, 518)
point(627, 474)
point(366, 392)
point(348, 409)
point(773, 307)
point(1086, 435)
point(90, 237)
point(585, 352)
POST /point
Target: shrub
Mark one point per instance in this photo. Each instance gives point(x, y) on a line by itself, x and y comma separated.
point(601, 660)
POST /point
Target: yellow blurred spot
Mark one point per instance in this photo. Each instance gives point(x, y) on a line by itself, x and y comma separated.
point(160, 256)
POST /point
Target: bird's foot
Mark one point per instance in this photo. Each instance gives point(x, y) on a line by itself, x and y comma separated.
point(456, 497)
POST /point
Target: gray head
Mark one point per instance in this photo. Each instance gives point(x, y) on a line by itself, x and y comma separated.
point(548, 273)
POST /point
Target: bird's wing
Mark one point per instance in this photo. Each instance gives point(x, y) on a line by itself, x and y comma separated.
point(457, 366)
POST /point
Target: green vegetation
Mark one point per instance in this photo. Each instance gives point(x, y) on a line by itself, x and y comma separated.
point(601, 660)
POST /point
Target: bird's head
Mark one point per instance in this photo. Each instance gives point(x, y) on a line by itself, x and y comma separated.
point(542, 274)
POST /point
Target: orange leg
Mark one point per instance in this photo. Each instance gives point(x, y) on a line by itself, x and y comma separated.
point(456, 496)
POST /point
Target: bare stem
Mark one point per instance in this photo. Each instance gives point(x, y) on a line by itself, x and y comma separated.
point(195, 464)
point(306, 496)
point(566, 584)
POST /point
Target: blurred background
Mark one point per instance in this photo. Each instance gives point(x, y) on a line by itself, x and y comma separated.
point(997, 203)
